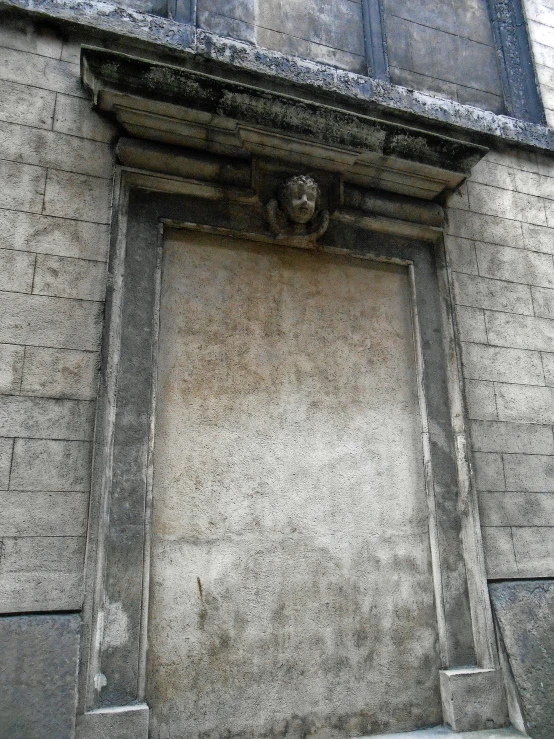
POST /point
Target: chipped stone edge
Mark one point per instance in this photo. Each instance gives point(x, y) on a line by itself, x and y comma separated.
point(162, 34)
point(121, 722)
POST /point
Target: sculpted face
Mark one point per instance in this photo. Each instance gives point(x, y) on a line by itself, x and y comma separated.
point(299, 198)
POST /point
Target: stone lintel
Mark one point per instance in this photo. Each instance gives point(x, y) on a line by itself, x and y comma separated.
point(178, 106)
point(161, 35)
point(473, 699)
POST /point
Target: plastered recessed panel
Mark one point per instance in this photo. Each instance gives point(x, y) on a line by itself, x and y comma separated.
point(291, 585)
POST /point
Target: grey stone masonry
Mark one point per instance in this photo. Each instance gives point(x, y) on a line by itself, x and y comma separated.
point(445, 48)
point(500, 242)
point(56, 169)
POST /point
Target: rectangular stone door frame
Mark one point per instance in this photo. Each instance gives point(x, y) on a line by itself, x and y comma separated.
point(112, 676)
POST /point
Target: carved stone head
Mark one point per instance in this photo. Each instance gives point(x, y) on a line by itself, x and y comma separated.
point(299, 198)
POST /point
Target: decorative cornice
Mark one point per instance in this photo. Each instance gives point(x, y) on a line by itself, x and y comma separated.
point(176, 105)
point(162, 36)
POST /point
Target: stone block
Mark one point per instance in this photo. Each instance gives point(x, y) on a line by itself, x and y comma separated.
point(529, 472)
point(515, 158)
point(468, 18)
point(26, 105)
point(493, 294)
point(453, 58)
point(481, 400)
point(46, 418)
point(43, 553)
point(66, 277)
point(471, 324)
point(22, 186)
point(506, 204)
point(480, 99)
point(39, 71)
point(540, 33)
point(43, 514)
point(543, 302)
point(459, 198)
point(473, 699)
point(515, 265)
point(548, 366)
point(534, 548)
point(545, 76)
point(60, 373)
point(535, 184)
point(438, 88)
point(288, 44)
point(461, 255)
point(125, 722)
point(52, 149)
point(543, 54)
point(45, 465)
point(59, 236)
point(545, 161)
point(11, 367)
point(525, 614)
point(75, 116)
point(524, 403)
point(336, 25)
point(484, 228)
point(516, 509)
point(489, 473)
point(500, 364)
point(38, 687)
point(25, 592)
point(223, 25)
point(21, 34)
point(521, 332)
point(491, 173)
point(77, 196)
point(6, 450)
point(47, 321)
point(539, 11)
point(16, 270)
point(399, 50)
point(500, 558)
point(511, 438)
point(71, 50)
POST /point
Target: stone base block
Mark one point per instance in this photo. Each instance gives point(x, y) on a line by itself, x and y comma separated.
point(443, 732)
point(38, 667)
point(473, 699)
point(122, 722)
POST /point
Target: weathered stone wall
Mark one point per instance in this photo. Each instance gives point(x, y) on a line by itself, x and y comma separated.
point(56, 161)
point(331, 33)
point(445, 48)
point(500, 244)
point(55, 173)
point(540, 23)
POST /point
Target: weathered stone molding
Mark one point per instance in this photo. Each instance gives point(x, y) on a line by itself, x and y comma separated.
point(515, 61)
point(162, 36)
point(178, 106)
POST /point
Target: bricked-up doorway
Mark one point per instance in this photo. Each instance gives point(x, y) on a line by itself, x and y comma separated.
point(292, 587)
point(304, 412)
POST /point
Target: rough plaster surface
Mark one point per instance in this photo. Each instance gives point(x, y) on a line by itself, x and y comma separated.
point(524, 612)
point(292, 592)
point(37, 676)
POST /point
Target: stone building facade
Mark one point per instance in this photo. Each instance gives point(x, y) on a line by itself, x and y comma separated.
point(427, 128)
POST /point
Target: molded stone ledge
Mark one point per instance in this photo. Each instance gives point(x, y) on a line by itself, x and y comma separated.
point(175, 105)
point(168, 36)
